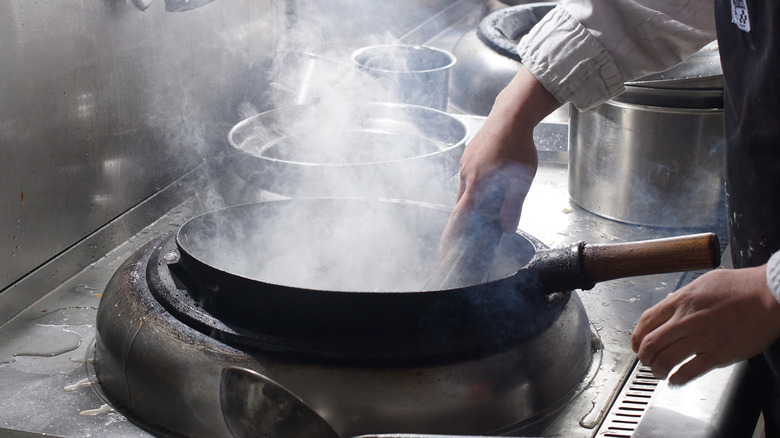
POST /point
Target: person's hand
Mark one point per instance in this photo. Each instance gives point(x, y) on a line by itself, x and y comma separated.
point(501, 159)
point(722, 317)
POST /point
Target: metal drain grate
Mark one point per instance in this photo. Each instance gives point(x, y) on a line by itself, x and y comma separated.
point(630, 405)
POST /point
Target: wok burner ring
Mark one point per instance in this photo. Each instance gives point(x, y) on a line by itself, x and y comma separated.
point(166, 373)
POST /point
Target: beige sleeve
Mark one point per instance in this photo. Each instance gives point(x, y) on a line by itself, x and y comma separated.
point(773, 275)
point(583, 51)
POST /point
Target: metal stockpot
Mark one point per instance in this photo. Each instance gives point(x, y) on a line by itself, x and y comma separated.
point(651, 156)
point(417, 75)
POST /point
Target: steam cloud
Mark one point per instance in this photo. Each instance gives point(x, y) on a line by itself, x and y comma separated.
point(342, 244)
point(332, 134)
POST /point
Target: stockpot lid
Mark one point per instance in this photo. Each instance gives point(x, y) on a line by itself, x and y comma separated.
point(702, 70)
point(697, 99)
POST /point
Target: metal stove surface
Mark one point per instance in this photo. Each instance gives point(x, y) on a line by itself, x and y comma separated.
point(48, 385)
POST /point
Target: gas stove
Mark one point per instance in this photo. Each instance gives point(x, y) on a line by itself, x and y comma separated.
point(50, 379)
point(50, 384)
point(157, 349)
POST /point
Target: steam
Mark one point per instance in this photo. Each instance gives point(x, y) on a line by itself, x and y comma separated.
point(344, 149)
point(343, 244)
point(335, 131)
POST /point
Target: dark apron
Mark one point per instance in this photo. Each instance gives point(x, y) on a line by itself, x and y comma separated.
point(751, 67)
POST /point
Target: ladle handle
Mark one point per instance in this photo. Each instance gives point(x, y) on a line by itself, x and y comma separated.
point(603, 262)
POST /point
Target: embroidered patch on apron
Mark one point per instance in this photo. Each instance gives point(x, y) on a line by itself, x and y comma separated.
point(739, 14)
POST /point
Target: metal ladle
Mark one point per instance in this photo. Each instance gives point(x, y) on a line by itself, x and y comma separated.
point(255, 406)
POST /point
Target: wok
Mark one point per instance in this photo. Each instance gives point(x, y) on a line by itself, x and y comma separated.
point(231, 260)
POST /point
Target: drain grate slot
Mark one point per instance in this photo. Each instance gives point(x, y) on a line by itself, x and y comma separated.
point(630, 405)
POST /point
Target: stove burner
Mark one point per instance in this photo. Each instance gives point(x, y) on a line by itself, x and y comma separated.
point(164, 366)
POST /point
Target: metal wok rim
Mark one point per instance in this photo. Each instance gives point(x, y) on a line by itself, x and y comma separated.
point(421, 326)
point(414, 324)
point(407, 48)
point(535, 244)
point(454, 121)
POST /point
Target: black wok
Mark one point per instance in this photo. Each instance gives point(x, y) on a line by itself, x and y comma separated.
point(385, 314)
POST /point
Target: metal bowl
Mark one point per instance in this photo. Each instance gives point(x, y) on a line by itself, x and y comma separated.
point(363, 149)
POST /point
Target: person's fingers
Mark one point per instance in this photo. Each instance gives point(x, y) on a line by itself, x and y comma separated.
point(497, 194)
point(698, 365)
point(662, 350)
point(650, 320)
point(676, 349)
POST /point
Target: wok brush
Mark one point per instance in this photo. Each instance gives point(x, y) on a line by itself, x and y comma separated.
point(467, 259)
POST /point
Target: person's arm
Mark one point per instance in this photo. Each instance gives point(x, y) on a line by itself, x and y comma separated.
point(583, 51)
point(566, 61)
point(502, 156)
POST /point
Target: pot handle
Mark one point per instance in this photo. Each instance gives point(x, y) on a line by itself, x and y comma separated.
point(583, 265)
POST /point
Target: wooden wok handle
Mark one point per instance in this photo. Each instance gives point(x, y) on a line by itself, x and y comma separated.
point(603, 262)
point(582, 265)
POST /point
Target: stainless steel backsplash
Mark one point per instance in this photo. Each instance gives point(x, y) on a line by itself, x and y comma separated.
point(103, 104)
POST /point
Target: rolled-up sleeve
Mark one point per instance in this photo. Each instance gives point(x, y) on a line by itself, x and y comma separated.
point(773, 275)
point(583, 51)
